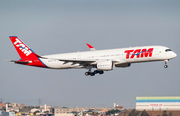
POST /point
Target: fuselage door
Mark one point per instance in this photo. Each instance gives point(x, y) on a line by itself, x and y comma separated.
point(79, 57)
point(157, 51)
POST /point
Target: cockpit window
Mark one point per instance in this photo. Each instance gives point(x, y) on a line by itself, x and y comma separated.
point(167, 50)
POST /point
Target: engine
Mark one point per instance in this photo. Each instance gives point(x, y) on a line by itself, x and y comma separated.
point(105, 65)
point(123, 65)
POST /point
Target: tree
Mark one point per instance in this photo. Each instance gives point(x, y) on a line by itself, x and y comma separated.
point(170, 113)
point(144, 113)
point(4, 108)
point(134, 113)
point(113, 111)
point(164, 113)
point(36, 112)
point(46, 112)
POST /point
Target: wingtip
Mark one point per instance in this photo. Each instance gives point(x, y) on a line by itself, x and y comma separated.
point(89, 45)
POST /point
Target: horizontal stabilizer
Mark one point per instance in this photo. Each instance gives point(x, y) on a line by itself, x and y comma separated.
point(17, 61)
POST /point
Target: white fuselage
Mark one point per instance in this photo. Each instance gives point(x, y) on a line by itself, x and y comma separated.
point(117, 56)
point(102, 60)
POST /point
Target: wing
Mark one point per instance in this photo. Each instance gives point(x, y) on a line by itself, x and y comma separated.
point(83, 62)
point(86, 62)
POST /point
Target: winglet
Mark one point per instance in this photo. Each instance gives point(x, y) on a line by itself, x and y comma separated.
point(90, 47)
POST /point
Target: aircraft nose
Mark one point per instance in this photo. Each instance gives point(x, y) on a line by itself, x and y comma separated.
point(174, 55)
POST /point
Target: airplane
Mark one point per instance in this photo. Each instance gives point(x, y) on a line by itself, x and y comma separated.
point(102, 60)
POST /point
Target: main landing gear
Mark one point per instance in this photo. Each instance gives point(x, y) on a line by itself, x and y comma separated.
point(93, 73)
point(166, 61)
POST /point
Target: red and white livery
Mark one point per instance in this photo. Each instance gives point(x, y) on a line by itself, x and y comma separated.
point(102, 60)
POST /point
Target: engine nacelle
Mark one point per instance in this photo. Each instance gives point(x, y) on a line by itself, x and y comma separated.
point(105, 65)
point(123, 65)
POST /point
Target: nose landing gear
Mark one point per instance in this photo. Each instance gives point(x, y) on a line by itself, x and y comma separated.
point(166, 61)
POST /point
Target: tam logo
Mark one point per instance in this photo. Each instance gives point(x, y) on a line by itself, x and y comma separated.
point(22, 47)
point(139, 53)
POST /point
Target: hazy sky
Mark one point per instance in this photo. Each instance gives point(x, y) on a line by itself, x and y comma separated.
point(57, 26)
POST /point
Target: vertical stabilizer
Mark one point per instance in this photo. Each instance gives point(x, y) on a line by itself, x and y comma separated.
point(23, 51)
point(28, 57)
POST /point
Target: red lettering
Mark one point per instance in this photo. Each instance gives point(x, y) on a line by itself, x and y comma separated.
point(128, 53)
point(139, 53)
point(145, 52)
point(136, 52)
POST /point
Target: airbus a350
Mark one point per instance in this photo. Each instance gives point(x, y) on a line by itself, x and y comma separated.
point(102, 60)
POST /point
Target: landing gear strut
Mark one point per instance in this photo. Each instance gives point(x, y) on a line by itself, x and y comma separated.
point(166, 61)
point(93, 73)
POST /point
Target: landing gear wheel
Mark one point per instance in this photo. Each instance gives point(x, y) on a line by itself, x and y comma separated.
point(92, 73)
point(101, 72)
point(86, 73)
point(96, 71)
point(165, 66)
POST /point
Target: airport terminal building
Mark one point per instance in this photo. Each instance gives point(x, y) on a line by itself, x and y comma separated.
point(158, 103)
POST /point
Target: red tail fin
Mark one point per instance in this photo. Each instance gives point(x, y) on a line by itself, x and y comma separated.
point(23, 51)
point(28, 57)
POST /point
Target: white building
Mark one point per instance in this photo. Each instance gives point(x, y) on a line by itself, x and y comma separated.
point(8, 113)
point(158, 103)
point(35, 109)
point(59, 111)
